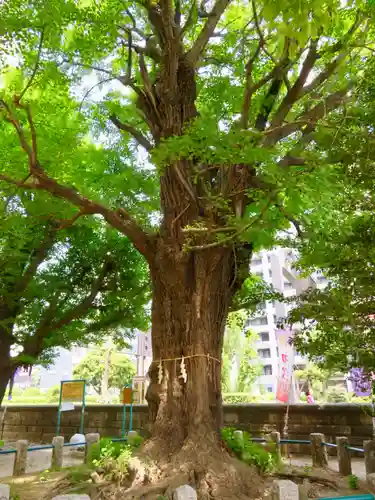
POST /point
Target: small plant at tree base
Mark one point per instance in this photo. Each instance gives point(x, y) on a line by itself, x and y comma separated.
point(307, 469)
point(79, 474)
point(112, 458)
point(353, 482)
point(44, 476)
point(248, 451)
point(136, 441)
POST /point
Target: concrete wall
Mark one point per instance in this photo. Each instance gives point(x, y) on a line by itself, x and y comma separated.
point(38, 423)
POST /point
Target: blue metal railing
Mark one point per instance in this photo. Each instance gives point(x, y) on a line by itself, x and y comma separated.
point(329, 445)
point(120, 440)
point(66, 445)
point(295, 441)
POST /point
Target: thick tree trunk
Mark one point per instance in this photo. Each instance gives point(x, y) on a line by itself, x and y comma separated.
point(6, 368)
point(191, 298)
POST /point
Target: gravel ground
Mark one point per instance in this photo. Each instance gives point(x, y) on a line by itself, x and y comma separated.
point(37, 461)
point(358, 464)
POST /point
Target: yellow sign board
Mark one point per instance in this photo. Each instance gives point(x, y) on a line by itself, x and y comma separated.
point(72, 391)
point(127, 396)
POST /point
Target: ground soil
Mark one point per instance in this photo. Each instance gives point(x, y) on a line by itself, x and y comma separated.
point(321, 483)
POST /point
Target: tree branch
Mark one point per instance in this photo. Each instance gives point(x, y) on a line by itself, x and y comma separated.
point(249, 87)
point(121, 78)
point(231, 238)
point(106, 80)
point(138, 136)
point(323, 75)
point(37, 257)
point(291, 219)
point(124, 222)
point(35, 67)
point(207, 31)
point(190, 18)
point(69, 222)
point(86, 303)
point(295, 91)
point(308, 119)
point(278, 77)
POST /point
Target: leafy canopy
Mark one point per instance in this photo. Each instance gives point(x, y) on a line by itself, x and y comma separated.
point(62, 283)
point(92, 367)
point(270, 80)
point(338, 326)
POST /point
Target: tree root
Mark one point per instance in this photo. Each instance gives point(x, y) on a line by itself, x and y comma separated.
point(212, 472)
point(313, 479)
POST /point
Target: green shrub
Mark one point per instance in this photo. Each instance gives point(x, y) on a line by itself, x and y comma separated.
point(353, 482)
point(113, 459)
point(53, 394)
point(336, 396)
point(31, 392)
point(242, 397)
point(136, 441)
point(252, 453)
point(238, 397)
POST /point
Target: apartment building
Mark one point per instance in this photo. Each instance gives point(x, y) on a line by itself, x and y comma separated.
point(275, 267)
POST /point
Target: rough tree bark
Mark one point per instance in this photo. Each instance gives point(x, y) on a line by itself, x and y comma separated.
point(191, 298)
point(6, 367)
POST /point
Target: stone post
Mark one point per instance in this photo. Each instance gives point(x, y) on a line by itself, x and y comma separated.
point(91, 439)
point(318, 450)
point(343, 456)
point(20, 461)
point(57, 452)
point(132, 435)
point(275, 438)
point(284, 490)
point(369, 449)
point(238, 436)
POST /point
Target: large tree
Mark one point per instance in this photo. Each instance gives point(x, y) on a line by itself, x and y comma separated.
point(337, 322)
point(227, 99)
point(63, 287)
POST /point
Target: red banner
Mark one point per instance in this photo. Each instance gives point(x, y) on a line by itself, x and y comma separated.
point(285, 387)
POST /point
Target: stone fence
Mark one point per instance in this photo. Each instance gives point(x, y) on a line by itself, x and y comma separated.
point(37, 424)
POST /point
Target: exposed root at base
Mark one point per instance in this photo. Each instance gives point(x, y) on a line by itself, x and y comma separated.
point(208, 469)
point(313, 479)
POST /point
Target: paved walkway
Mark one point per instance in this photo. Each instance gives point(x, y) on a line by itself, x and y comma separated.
point(38, 461)
point(358, 464)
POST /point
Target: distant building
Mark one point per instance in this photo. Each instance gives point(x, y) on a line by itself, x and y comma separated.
point(276, 267)
point(62, 368)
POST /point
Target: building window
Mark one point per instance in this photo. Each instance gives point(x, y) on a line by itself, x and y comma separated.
point(259, 274)
point(262, 306)
point(256, 261)
point(267, 370)
point(269, 387)
point(269, 258)
point(270, 273)
point(264, 336)
point(259, 321)
point(287, 285)
point(264, 353)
